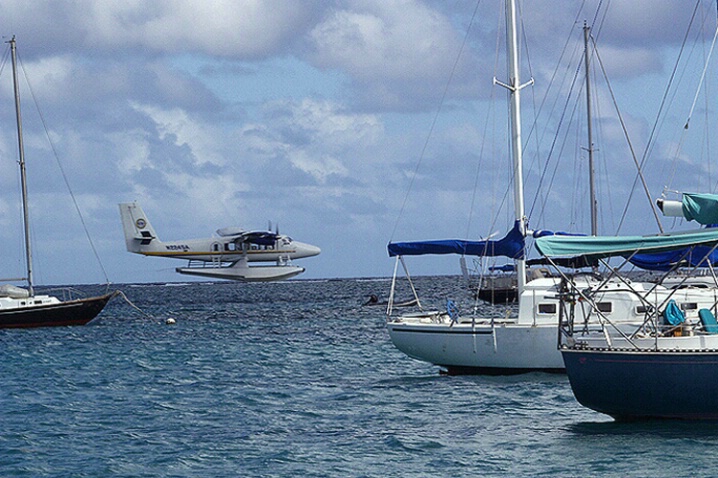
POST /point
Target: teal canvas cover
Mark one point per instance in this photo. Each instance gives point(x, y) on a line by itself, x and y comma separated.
point(709, 321)
point(702, 208)
point(598, 247)
point(673, 314)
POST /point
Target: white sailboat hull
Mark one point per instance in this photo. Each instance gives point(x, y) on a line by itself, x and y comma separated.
point(529, 341)
point(463, 348)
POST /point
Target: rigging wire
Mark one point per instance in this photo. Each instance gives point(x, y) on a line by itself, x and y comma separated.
point(481, 151)
point(20, 245)
point(603, 188)
point(684, 132)
point(433, 123)
point(650, 143)
point(683, 136)
point(703, 76)
point(552, 149)
point(509, 181)
point(544, 170)
point(630, 147)
point(62, 171)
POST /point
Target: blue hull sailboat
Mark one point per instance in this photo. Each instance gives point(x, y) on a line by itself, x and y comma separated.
point(633, 384)
point(666, 364)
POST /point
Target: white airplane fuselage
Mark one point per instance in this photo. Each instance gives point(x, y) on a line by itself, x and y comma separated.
point(225, 256)
point(224, 249)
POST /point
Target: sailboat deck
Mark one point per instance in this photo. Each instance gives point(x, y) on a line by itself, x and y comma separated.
point(17, 303)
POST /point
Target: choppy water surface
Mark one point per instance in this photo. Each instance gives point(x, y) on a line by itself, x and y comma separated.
point(295, 379)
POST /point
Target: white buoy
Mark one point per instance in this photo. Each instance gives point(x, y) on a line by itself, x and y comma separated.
point(170, 321)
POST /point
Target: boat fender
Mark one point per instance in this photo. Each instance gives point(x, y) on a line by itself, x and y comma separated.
point(452, 310)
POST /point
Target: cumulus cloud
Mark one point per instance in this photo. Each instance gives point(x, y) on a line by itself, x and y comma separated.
point(395, 50)
point(246, 29)
point(177, 126)
point(316, 138)
point(314, 113)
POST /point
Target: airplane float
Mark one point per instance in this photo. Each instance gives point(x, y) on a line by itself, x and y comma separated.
point(225, 256)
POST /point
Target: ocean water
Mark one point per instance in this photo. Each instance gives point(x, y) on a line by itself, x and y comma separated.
point(295, 379)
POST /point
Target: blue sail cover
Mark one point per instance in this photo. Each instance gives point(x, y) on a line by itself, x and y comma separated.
point(665, 261)
point(702, 208)
point(512, 246)
point(543, 233)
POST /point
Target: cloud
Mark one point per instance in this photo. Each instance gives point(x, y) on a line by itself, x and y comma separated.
point(240, 29)
point(397, 52)
point(315, 114)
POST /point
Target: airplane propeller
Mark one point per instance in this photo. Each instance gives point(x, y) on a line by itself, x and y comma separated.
point(276, 227)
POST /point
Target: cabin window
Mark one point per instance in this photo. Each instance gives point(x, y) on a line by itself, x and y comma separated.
point(215, 247)
point(641, 309)
point(689, 306)
point(605, 307)
point(254, 247)
point(547, 308)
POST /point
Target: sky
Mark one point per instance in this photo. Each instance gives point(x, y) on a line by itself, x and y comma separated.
point(347, 123)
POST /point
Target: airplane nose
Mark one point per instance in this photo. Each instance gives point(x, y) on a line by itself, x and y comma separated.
point(308, 250)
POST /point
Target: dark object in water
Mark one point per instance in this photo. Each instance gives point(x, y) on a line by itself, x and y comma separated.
point(374, 300)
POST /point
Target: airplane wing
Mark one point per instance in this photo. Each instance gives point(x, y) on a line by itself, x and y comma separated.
point(262, 238)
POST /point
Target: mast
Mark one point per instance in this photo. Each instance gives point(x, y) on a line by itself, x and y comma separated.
point(591, 179)
point(514, 86)
point(23, 176)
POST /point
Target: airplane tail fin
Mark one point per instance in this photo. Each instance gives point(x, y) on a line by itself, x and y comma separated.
point(138, 230)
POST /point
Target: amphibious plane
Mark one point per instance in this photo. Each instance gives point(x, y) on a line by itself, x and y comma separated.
point(225, 256)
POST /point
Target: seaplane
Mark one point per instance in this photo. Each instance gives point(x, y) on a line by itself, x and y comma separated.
point(224, 256)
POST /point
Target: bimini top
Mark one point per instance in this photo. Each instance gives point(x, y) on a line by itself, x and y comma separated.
point(598, 247)
point(511, 246)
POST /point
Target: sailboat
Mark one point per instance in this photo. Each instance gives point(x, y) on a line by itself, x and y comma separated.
point(662, 367)
point(511, 344)
point(21, 307)
point(487, 345)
